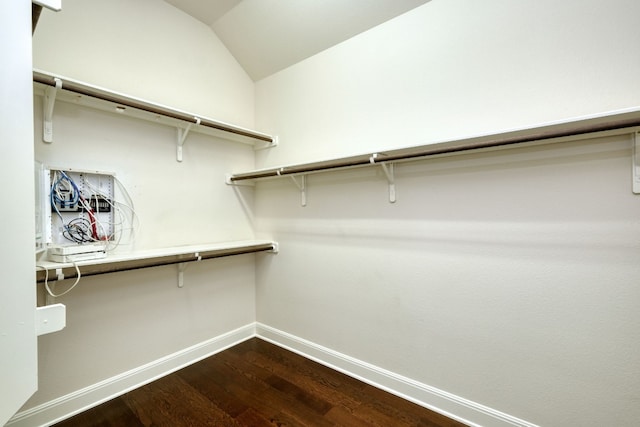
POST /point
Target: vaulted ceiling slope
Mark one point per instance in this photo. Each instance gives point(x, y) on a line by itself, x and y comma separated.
point(266, 36)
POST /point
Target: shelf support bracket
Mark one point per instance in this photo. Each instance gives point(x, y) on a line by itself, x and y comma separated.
point(302, 186)
point(181, 268)
point(389, 172)
point(182, 136)
point(49, 100)
point(388, 169)
point(635, 161)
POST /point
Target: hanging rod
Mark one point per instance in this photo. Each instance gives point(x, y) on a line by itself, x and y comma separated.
point(154, 258)
point(555, 132)
point(139, 104)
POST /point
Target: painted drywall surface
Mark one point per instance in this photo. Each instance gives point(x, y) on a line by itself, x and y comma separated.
point(176, 203)
point(450, 69)
point(148, 49)
point(508, 278)
point(119, 322)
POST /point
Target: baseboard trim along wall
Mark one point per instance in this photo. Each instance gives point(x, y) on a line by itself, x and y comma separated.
point(452, 406)
point(88, 397)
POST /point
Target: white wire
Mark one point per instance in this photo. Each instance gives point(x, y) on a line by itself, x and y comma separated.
point(46, 281)
point(119, 217)
point(99, 224)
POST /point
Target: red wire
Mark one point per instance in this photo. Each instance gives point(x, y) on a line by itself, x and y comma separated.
point(94, 228)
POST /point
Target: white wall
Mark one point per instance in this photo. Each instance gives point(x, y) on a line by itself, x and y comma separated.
point(119, 322)
point(509, 278)
point(450, 69)
point(147, 49)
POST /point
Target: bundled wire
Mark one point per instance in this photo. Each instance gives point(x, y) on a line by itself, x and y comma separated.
point(90, 225)
point(78, 230)
point(66, 194)
point(69, 289)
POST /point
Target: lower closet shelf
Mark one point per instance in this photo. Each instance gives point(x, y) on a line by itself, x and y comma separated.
point(151, 258)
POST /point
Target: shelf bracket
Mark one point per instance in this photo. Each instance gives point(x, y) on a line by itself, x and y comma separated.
point(302, 186)
point(182, 136)
point(182, 266)
point(635, 161)
point(49, 101)
point(389, 172)
point(388, 169)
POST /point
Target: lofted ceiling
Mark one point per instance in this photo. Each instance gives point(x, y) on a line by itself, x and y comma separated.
point(266, 36)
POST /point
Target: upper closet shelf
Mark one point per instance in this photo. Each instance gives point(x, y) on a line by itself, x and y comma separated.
point(615, 123)
point(54, 88)
point(618, 122)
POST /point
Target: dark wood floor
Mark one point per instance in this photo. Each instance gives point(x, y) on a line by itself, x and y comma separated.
point(257, 384)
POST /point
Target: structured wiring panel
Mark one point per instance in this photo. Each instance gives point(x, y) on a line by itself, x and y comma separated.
point(81, 208)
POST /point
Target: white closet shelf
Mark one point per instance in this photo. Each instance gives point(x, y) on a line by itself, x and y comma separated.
point(616, 122)
point(152, 258)
point(56, 88)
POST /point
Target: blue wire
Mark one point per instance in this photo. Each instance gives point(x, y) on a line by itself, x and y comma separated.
point(55, 199)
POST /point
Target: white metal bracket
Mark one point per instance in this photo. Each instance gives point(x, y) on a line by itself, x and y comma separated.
point(635, 161)
point(49, 101)
point(302, 186)
point(182, 136)
point(182, 266)
point(388, 170)
point(273, 143)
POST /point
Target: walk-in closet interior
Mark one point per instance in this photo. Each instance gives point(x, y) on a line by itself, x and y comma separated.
point(439, 198)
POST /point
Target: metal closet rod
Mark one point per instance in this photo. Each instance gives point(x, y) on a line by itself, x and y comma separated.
point(620, 120)
point(155, 261)
point(83, 89)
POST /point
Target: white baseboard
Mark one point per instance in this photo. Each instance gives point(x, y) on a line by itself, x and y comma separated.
point(452, 406)
point(66, 406)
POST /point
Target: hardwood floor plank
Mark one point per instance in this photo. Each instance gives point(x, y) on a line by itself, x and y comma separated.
point(342, 416)
point(253, 418)
point(241, 379)
point(201, 381)
point(337, 393)
point(256, 383)
point(170, 401)
point(303, 397)
point(114, 413)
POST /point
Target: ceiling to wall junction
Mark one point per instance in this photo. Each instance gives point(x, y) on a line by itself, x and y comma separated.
point(266, 36)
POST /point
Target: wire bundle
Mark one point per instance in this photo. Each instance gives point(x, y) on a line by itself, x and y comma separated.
point(66, 194)
point(89, 225)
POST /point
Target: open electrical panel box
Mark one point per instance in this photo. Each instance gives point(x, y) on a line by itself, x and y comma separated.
point(76, 214)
